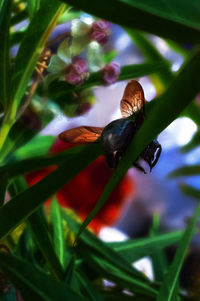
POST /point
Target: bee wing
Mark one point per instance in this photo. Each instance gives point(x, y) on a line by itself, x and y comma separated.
point(133, 99)
point(81, 134)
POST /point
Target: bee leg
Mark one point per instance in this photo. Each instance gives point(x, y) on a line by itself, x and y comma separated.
point(139, 167)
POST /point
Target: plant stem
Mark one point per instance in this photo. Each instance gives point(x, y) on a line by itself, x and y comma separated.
point(8, 122)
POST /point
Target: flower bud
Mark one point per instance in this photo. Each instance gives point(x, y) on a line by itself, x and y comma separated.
point(100, 31)
point(76, 72)
point(110, 73)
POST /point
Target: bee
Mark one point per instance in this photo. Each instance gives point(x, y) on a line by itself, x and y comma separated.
point(117, 135)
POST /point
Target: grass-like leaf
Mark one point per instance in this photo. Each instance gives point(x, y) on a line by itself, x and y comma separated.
point(5, 13)
point(162, 112)
point(190, 191)
point(89, 245)
point(133, 249)
point(33, 283)
point(184, 171)
point(58, 231)
point(168, 290)
point(18, 208)
point(170, 19)
point(42, 237)
point(113, 273)
point(20, 167)
point(33, 44)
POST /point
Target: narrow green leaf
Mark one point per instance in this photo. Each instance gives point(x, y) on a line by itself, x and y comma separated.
point(41, 233)
point(168, 108)
point(90, 243)
point(38, 146)
point(151, 53)
point(33, 283)
point(20, 167)
point(111, 272)
point(43, 190)
point(168, 290)
point(58, 231)
point(134, 249)
point(183, 171)
point(87, 288)
point(158, 258)
point(170, 19)
point(5, 13)
point(3, 186)
point(33, 7)
point(33, 44)
point(190, 191)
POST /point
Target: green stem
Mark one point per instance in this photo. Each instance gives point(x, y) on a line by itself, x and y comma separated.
point(8, 122)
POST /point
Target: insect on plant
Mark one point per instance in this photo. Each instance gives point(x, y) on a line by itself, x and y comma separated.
point(117, 135)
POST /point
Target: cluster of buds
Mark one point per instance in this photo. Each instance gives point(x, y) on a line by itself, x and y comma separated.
point(77, 71)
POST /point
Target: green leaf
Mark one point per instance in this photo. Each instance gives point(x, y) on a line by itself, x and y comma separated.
point(68, 16)
point(183, 171)
point(38, 146)
point(40, 231)
point(168, 289)
point(21, 133)
point(58, 231)
point(89, 245)
point(33, 283)
point(168, 108)
point(111, 272)
point(64, 52)
point(109, 56)
point(43, 190)
point(134, 249)
point(190, 191)
point(169, 19)
point(158, 258)
point(88, 289)
point(33, 44)
point(28, 54)
point(3, 186)
point(5, 13)
point(151, 53)
point(13, 169)
point(42, 237)
point(33, 7)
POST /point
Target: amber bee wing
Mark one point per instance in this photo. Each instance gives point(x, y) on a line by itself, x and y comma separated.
point(133, 99)
point(81, 134)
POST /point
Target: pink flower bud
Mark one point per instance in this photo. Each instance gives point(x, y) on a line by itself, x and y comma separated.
point(76, 72)
point(100, 31)
point(110, 73)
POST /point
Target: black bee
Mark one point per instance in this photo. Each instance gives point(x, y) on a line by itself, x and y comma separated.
point(117, 135)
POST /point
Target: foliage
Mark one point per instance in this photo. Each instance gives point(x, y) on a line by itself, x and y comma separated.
point(45, 252)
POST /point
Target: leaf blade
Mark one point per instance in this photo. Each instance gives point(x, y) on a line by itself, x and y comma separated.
point(168, 287)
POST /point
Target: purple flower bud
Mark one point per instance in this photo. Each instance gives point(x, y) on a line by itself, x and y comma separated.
point(110, 73)
point(100, 31)
point(76, 72)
